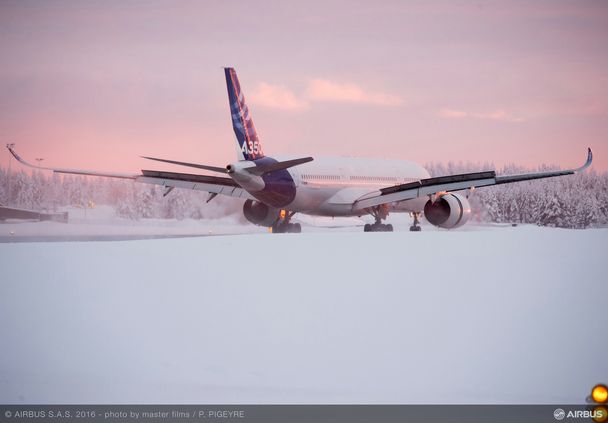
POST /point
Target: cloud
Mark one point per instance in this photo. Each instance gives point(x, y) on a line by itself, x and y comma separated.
point(276, 97)
point(499, 115)
point(452, 114)
point(318, 91)
point(323, 90)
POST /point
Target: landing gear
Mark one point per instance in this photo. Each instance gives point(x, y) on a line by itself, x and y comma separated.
point(378, 227)
point(416, 226)
point(380, 213)
point(283, 224)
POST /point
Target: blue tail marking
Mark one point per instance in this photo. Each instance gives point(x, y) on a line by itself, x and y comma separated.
point(249, 147)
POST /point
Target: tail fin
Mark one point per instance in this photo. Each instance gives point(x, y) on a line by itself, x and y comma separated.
point(249, 147)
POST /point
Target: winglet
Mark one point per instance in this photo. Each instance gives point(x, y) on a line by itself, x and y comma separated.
point(71, 171)
point(19, 159)
point(587, 163)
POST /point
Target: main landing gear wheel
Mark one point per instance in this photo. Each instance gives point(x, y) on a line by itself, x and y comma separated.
point(282, 228)
point(416, 226)
point(379, 213)
point(378, 227)
point(283, 224)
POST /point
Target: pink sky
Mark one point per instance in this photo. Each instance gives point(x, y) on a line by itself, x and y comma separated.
point(96, 85)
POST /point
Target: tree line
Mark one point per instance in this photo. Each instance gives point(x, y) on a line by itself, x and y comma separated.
point(577, 201)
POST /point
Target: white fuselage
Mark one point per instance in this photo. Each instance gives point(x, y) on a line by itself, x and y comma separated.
point(328, 186)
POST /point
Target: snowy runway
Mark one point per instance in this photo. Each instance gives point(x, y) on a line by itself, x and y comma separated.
point(487, 315)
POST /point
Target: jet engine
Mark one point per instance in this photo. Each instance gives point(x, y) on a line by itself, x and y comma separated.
point(259, 213)
point(449, 211)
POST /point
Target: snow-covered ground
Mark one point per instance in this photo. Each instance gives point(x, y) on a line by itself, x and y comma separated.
point(102, 221)
point(481, 315)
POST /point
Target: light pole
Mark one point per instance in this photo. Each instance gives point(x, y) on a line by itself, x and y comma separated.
point(10, 159)
point(36, 181)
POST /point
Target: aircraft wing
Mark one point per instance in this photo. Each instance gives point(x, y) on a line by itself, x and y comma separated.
point(448, 183)
point(212, 184)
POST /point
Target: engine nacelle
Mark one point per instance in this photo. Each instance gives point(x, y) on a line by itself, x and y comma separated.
point(449, 212)
point(259, 213)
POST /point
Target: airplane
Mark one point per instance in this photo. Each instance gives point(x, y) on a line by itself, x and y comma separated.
point(276, 188)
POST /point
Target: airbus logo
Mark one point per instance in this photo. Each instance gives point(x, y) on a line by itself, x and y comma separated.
point(598, 414)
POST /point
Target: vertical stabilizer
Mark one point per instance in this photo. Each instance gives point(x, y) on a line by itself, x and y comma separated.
point(248, 144)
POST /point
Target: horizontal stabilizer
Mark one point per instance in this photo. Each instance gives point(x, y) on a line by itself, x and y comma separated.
point(208, 183)
point(194, 165)
point(266, 168)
